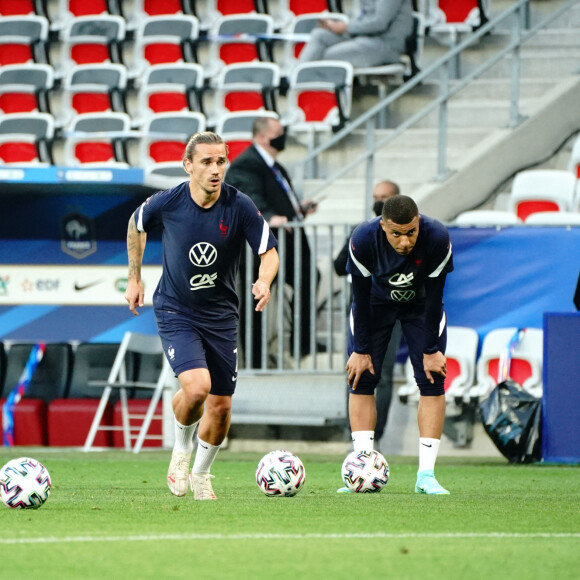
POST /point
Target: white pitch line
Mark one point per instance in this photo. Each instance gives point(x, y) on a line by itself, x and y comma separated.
point(230, 537)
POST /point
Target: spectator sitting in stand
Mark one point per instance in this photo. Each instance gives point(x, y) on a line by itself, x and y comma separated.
point(378, 36)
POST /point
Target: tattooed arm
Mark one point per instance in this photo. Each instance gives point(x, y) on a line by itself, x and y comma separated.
point(135, 247)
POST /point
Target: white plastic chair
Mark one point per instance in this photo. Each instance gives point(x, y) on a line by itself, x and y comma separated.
point(542, 190)
point(525, 367)
point(553, 218)
point(487, 217)
point(461, 354)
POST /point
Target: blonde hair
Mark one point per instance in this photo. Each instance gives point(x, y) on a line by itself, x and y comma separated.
point(203, 138)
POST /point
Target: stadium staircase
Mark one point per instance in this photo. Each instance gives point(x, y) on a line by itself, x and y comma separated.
point(484, 145)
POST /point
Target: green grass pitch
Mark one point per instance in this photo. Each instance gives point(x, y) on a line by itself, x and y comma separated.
point(110, 516)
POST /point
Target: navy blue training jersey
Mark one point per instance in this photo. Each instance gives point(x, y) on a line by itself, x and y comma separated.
point(380, 275)
point(399, 278)
point(202, 248)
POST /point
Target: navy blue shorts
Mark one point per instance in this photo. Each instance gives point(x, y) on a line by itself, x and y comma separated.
point(190, 345)
point(382, 320)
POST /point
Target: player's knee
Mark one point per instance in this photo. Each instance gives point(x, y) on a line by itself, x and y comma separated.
point(196, 385)
point(431, 390)
point(219, 409)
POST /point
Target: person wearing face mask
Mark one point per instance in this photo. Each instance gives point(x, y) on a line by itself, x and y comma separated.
point(384, 390)
point(258, 174)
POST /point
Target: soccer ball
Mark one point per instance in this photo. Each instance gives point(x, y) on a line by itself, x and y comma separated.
point(24, 483)
point(280, 473)
point(365, 472)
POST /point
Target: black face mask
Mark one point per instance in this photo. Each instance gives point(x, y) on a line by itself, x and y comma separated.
point(378, 207)
point(279, 143)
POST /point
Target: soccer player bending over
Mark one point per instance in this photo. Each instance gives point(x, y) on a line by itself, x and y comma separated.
point(205, 223)
point(398, 263)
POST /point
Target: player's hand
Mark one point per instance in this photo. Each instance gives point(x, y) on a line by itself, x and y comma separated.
point(435, 363)
point(134, 295)
point(261, 292)
point(356, 365)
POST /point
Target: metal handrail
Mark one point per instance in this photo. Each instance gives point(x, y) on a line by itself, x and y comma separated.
point(519, 11)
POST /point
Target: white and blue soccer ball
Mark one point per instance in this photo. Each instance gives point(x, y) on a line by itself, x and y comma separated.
point(280, 473)
point(24, 483)
point(365, 471)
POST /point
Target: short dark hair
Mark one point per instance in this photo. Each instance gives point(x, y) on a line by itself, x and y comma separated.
point(203, 138)
point(400, 209)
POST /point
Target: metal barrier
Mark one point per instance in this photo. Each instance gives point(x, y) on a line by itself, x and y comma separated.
point(327, 300)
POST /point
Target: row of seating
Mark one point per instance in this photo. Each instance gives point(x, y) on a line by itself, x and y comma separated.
point(319, 98)
point(64, 393)
point(136, 11)
point(159, 39)
point(176, 87)
point(537, 197)
point(472, 376)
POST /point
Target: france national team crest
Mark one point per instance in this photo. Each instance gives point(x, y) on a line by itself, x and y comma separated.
point(77, 235)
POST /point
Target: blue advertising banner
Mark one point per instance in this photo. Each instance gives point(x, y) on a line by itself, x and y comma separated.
point(505, 277)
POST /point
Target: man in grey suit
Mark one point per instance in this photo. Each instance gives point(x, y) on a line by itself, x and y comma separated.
point(377, 36)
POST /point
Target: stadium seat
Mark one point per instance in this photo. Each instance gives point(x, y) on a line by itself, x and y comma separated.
point(448, 19)
point(23, 39)
point(26, 88)
point(163, 40)
point(487, 218)
point(165, 136)
point(574, 166)
point(22, 8)
point(238, 38)
point(296, 35)
point(97, 139)
point(208, 11)
point(170, 88)
point(49, 381)
point(68, 9)
point(143, 9)
point(319, 97)
point(290, 9)
point(26, 139)
point(553, 218)
point(246, 87)
point(397, 72)
point(164, 175)
point(138, 348)
point(69, 418)
point(541, 190)
point(93, 88)
point(525, 365)
point(92, 40)
point(461, 354)
point(236, 130)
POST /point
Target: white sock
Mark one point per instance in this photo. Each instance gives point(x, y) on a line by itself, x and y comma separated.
point(363, 440)
point(184, 437)
point(204, 456)
point(428, 449)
